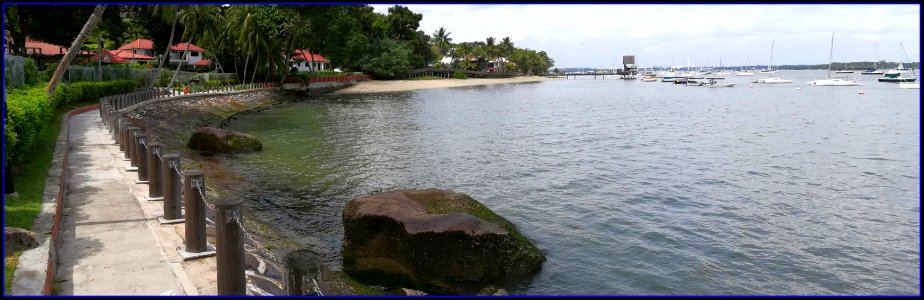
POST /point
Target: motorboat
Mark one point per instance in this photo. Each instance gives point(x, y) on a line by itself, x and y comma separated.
point(909, 85)
point(712, 83)
point(649, 78)
point(896, 76)
point(834, 82)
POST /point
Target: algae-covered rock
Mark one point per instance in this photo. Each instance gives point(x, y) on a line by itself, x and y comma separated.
point(431, 239)
point(223, 141)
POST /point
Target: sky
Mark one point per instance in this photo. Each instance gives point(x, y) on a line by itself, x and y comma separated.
point(589, 35)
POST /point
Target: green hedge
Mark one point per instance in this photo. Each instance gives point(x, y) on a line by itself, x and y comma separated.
point(459, 75)
point(29, 110)
point(31, 72)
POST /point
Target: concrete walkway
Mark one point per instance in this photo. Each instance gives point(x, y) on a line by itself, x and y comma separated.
point(110, 240)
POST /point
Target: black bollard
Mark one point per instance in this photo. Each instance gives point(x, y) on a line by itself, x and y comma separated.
point(130, 147)
point(170, 173)
point(141, 151)
point(155, 192)
point(193, 180)
point(230, 244)
point(301, 266)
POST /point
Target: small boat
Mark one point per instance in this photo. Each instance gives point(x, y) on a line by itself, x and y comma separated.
point(873, 72)
point(773, 80)
point(909, 85)
point(649, 78)
point(834, 82)
point(715, 84)
point(896, 76)
point(744, 73)
point(843, 71)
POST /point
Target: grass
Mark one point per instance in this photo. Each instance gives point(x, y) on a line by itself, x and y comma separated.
point(427, 78)
point(29, 183)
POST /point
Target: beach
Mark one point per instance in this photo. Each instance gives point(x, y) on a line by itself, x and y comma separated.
point(379, 86)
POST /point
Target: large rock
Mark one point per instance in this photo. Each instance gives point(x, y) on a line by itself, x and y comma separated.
point(18, 239)
point(431, 239)
point(223, 141)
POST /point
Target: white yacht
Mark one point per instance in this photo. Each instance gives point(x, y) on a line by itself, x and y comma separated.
point(833, 81)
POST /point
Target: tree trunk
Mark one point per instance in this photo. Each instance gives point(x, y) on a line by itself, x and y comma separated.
point(255, 65)
point(75, 47)
point(185, 52)
point(160, 67)
point(244, 75)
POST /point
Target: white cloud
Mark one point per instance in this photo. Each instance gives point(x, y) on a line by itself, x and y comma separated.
point(592, 35)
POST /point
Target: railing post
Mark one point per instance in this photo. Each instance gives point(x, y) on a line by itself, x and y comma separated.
point(230, 244)
point(155, 192)
point(299, 266)
point(130, 148)
point(194, 202)
point(120, 126)
point(142, 152)
point(170, 172)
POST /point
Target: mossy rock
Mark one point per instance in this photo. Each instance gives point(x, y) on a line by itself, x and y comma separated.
point(216, 140)
point(433, 240)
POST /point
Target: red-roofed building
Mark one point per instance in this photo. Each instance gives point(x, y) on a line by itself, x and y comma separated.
point(138, 51)
point(39, 48)
point(302, 58)
point(194, 54)
point(108, 58)
point(131, 56)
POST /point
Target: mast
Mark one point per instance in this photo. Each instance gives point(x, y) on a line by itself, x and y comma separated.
point(831, 55)
point(770, 66)
point(908, 59)
point(875, 66)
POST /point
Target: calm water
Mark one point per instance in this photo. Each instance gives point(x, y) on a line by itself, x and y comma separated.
point(628, 187)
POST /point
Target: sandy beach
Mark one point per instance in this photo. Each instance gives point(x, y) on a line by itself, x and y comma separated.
point(378, 86)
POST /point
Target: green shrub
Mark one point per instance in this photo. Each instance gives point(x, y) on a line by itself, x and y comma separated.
point(459, 75)
point(31, 72)
point(29, 109)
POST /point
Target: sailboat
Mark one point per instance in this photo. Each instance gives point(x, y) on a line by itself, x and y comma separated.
point(844, 70)
point(744, 72)
point(909, 85)
point(771, 79)
point(875, 70)
point(724, 71)
point(769, 69)
point(833, 81)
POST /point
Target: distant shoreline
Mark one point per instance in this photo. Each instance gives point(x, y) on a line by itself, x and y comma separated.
point(380, 86)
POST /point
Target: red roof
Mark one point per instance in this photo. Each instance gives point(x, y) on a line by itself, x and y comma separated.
point(138, 44)
point(182, 46)
point(46, 49)
point(128, 54)
point(109, 57)
point(308, 56)
point(43, 48)
point(204, 62)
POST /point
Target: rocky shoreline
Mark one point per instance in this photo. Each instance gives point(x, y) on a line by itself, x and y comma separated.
point(265, 247)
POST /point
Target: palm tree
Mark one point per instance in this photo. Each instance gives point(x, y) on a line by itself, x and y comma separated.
point(72, 51)
point(490, 49)
point(166, 13)
point(506, 49)
point(197, 19)
point(442, 40)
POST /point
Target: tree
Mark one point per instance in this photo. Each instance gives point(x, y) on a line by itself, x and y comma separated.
point(198, 19)
point(392, 60)
point(506, 49)
point(172, 12)
point(442, 40)
point(72, 51)
point(402, 22)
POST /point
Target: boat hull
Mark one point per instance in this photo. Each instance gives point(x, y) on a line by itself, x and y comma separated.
point(898, 79)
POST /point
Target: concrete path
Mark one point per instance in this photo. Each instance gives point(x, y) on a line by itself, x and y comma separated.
point(110, 241)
